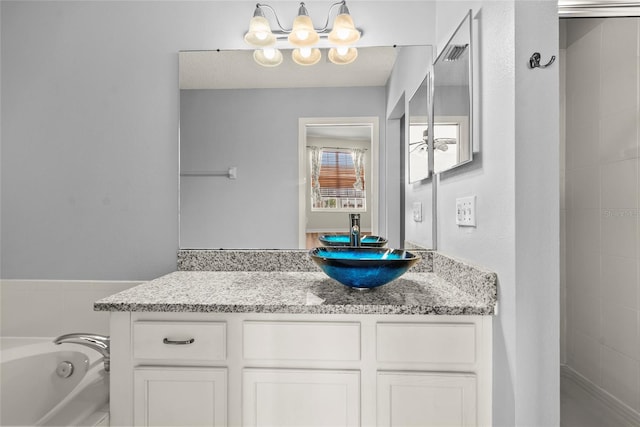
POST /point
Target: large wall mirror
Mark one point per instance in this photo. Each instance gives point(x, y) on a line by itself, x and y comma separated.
point(452, 101)
point(240, 149)
point(419, 117)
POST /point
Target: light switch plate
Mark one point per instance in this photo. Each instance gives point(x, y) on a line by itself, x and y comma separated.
point(417, 211)
point(466, 211)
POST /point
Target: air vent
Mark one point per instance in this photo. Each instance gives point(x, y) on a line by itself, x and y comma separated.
point(454, 51)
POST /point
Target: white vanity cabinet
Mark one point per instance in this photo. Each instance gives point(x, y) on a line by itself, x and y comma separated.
point(256, 369)
point(179, 396)
point(300, 397)
point(175, 378)
point(427, 399)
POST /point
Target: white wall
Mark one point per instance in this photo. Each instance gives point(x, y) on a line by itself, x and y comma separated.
point(412, 65)
point(515, 179)
point(602, 197)
point(255, 130)
point(90, 107)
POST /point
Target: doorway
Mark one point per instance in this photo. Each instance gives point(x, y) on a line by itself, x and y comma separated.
point(600, 224)
point(338, 175)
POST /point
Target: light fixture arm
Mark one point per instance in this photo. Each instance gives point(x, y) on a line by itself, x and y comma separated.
point(342, 4)
point(282, 32)
point(273, 11)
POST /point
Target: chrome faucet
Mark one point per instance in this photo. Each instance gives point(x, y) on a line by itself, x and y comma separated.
point(99, 343)
point(355, 230)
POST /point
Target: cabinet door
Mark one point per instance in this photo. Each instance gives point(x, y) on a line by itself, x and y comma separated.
point(180, 396)
point(283, 397)
point(426, 399)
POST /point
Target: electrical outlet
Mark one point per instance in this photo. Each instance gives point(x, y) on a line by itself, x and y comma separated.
point(466, 211)
point(417, 211)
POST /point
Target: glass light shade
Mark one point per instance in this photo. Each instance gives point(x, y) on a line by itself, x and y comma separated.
point(269, 57)
point(259, 34)
point(306, 56)
point(303, 34)
point(338, 57)
point(344, 32)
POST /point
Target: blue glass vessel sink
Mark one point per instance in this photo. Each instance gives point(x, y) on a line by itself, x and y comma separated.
point(363, 268)
point(344, 240)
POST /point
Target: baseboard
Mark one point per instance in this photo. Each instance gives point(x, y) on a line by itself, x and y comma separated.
point(617, 409)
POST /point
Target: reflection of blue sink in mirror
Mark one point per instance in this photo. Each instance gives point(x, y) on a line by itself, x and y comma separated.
point(344, 240)
point(363, 268)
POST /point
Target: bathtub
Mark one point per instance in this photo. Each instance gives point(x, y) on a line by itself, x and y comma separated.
point(32, 393)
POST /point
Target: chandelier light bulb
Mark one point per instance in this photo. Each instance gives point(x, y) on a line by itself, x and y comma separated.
point(305, 52)
point(259, 34)
point(345, 58)
point(342, 34)
point(268, 57)
point(344, 31)
point(302, 33)
point(269, 53)
point(306, 56)
point(342, 50)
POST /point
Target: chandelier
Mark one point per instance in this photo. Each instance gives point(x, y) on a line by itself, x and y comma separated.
point(303, 36)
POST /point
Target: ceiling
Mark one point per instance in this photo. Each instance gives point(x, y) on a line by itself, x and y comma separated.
point(236, 69)
point(342, 132)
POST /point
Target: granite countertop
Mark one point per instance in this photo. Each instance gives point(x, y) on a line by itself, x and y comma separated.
point(294, 292)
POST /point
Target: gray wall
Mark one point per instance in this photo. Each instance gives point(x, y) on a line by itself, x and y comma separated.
point(257, 131)
point(90, 106)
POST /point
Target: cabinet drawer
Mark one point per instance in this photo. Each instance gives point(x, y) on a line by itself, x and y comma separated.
point(180, 340)
point(331, 341)
point(426, 343)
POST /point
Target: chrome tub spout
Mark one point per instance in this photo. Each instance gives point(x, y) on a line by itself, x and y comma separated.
point(99, 343)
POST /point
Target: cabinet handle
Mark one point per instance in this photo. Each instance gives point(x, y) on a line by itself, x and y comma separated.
point(179, 342)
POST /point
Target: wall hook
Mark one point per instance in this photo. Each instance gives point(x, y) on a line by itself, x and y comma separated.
point(534, 61)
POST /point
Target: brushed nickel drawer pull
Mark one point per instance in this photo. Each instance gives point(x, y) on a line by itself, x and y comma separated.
point(178, 342)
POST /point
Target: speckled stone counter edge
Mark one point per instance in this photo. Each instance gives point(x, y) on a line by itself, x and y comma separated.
point(297, 309)
point(476, 281)
point(265, 260)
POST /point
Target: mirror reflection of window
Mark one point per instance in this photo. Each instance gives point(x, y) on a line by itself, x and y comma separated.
point(445, 144)
point(419, 118)
point(418, 152)
point(340, 183)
